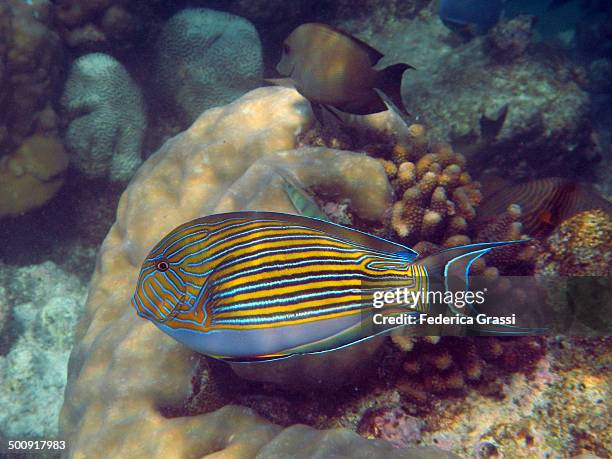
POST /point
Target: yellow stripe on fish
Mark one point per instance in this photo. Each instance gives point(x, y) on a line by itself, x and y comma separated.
point(247, 285)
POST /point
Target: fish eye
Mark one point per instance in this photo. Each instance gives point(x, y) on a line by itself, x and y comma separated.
point(162, 265)
point(286, 48)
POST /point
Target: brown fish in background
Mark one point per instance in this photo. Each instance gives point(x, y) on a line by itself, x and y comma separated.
point(545, 203)
point(332, 68)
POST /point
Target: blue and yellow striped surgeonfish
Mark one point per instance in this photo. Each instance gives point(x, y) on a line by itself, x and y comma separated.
point(252, 286)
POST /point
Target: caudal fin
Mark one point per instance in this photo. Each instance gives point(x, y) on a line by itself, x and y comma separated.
point(390, 83)
point(451, 267)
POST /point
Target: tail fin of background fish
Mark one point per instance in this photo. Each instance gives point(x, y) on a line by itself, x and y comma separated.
point(390, 83)
point(449, 269)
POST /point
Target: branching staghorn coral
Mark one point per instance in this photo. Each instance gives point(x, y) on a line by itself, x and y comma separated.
point(438, 196)
point(508, 227)
point(439, 203)
point(453, 364)
point(438, 200)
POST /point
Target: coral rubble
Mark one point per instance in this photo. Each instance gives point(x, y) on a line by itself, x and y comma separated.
point(392, 424)
point(558, 410)
point(33, 369)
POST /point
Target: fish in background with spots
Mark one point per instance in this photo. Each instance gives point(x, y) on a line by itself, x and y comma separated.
point(257, 286)
point(332, 68)
point(545, 203)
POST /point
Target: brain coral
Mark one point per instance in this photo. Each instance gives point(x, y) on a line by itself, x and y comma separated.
point(32, 175)
point(124, 373)
point(107, 118)
point(207, 58)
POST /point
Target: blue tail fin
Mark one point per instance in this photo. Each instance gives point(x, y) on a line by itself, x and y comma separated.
point(452, 266)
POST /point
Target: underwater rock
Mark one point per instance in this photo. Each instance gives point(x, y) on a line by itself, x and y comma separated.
point(509, 39)
point(476, 15)
point(33, 370)
point(374, 14)
point(124, 365)
point(528, 114)
point(206, 58)
point(600, 76)
point(30, 67)
point(419, 38)
point(106, 116)
point(500, 115)
point(32, 175)
point(267, 12)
